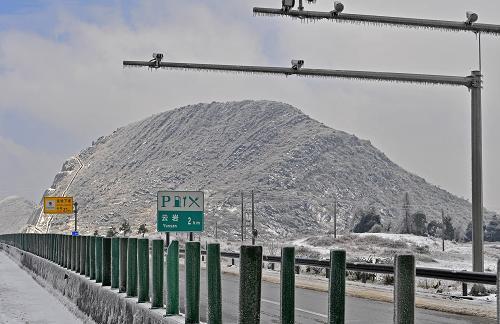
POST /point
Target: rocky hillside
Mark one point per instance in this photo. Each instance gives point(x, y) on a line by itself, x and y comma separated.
point(296, 165)
point(15, 213)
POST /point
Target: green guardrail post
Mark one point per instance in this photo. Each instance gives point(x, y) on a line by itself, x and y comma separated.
point(404, 289)
point(59, 250)
point(87, 256)
point(98, 259)
point(55, 248)
point(55, 256)
point(115, 262)
point(132, 267)
point(53, 251)
point(106, 261)
point(173, 278)
point(63, 251)
point(67, 252)
point(143, 270)
point(50, 247)
point(250, 284)
point(287, 285)
point(83, 254)
point(73, 253)
point(77, 256)
point(336, 287)
point(123, 264)
point(157, 274)
point(92, 263)
point(214, 284)
point(192, 282)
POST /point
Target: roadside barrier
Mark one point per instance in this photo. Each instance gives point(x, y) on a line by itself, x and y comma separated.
point(132, 267)
point(172, 305)
point(157, 274)
point(143, 270)
point(336, 287)
point(214, 284)
point(192, 272)
point(98, 259)
point(124, 264)
point(115, 262)
point(250, 284)
point(287, 288)
point(404, 289)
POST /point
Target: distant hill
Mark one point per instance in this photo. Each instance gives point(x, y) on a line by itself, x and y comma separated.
point(296, 165)
point(14, 214)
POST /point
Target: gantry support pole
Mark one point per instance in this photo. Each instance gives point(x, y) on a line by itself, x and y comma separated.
point(477, 174)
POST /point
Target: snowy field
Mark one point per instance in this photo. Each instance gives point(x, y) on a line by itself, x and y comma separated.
point(382, 247)
point(427, 250)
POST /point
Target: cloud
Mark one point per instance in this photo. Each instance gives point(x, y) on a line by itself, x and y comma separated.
point(71, 76)
point(21, 168)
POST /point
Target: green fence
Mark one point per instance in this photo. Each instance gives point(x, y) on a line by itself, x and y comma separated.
point(124, 264)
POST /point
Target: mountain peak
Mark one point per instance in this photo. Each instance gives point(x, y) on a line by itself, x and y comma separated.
point(296, 165)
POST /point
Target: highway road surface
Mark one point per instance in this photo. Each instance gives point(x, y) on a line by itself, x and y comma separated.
point(23, 300)
point(311, 306)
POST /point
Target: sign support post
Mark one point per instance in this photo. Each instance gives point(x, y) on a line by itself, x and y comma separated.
point(76, 216)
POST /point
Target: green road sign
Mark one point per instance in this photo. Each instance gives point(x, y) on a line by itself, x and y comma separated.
point(180, 211)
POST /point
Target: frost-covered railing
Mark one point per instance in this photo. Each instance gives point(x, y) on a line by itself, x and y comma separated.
point(123, 264)
point(423, 272)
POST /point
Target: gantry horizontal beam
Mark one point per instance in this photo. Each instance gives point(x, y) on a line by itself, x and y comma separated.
point(346, 74)
point(384, 20)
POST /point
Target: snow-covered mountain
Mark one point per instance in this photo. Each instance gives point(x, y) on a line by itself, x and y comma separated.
point(296, 165)
point(14, 214)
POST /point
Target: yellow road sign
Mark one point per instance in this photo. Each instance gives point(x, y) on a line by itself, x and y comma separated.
point(58, 205)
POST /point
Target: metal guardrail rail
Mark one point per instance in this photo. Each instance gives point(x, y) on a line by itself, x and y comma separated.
point(423, 272)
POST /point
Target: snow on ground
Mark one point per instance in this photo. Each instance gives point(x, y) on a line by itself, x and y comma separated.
point(428, 250)
point(22, 300)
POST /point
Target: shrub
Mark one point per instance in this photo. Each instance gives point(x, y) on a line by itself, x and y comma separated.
point(377, 228)
point(449, 230)
point(367, 219)
point(111, 232)
point(433, 227)
point(125, 227)
point(492, 231)
point(419, 224)
point(142, 229)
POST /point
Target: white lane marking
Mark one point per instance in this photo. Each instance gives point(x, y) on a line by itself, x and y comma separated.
point(298, 309)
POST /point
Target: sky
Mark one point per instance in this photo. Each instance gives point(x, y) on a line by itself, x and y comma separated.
point(62, 83)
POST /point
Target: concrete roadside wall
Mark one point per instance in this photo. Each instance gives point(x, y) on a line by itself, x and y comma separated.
point(102, 304)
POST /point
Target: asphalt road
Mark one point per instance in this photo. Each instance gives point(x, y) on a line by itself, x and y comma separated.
point(311, 306)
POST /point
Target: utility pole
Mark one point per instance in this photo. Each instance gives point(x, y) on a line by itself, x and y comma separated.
point(215, 230)
point(442, 227)
point(406, 208)
point(253, 221)
point(335, 218)
point(76, 216)
point(242, 220)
